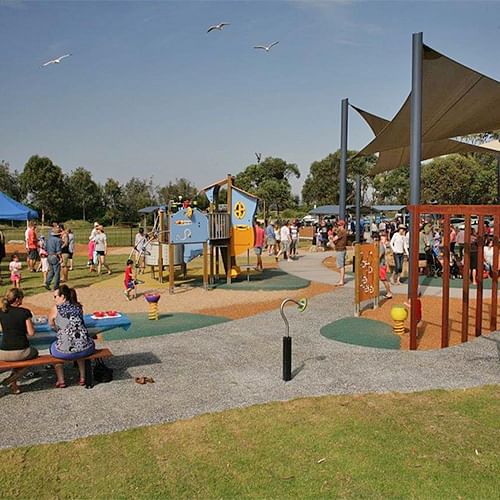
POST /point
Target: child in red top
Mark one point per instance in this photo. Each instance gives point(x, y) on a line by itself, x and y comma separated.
point(129, 279)
point(418, 308)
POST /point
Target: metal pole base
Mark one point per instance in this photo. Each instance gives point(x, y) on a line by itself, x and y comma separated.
point(287, 358)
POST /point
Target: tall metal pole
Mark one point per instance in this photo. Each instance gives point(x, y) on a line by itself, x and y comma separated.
point(498, 180)
point(415, 164)
point(358, 208)
point(343, 159)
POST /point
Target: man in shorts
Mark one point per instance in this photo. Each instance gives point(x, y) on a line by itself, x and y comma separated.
point(259, 245)
point(32, 245)
point(270, 239)
point(340, 242)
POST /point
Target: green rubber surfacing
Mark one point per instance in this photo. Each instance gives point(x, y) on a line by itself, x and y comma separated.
point(269, 279)
point(144, 327)
point(363, 332)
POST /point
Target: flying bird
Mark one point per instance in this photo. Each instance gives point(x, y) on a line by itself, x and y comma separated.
point(219, 27)
point(268, 48)
point(258, 156)
point(55, 61)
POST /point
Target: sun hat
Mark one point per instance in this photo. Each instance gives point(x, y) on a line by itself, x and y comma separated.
point(401, 226)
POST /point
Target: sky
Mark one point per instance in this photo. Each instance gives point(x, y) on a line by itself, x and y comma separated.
point(148, 93)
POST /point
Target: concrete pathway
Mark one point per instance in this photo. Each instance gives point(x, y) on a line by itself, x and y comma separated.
point(236, 364)
point(309, 266)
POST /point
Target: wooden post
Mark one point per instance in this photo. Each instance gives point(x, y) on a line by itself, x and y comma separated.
point(171, 269)
point(161, 224)
point(479, 276)
point(357, 277)
point(205, 265)
point(211, 277)
point(466, 284)
point(445, 305)
point(494, 274)
point(229, 202)
point(376, 278)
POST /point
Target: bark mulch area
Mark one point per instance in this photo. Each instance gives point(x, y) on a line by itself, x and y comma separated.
point(430, 331)
point(244, 309)
point(227, 303)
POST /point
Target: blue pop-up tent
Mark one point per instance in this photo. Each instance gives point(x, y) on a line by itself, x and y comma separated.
point(13, 210)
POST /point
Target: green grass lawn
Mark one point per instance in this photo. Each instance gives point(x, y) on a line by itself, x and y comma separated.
point(438, 444)
point(32, 283)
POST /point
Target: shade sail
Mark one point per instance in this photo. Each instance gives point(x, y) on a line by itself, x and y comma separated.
point(13, 210)
point(456, 101)
point(394, 158)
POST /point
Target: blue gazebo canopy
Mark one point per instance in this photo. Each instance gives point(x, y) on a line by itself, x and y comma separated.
point(13, 210)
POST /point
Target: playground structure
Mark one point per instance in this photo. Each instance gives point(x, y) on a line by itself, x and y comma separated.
point(367, 276)
point(222, 234)
point(448, 211)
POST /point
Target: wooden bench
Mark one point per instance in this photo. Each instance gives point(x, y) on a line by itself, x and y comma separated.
point(47, 359)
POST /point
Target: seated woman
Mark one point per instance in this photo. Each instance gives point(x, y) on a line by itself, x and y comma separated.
point(73, 341)
point(16, 327)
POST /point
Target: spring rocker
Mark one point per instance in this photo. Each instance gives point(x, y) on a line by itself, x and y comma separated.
point(152, 299)
point(399, 315)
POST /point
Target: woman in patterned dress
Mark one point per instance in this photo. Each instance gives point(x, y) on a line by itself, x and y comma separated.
point(73, 341)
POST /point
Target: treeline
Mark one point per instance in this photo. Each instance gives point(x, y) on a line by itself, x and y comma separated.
point(454, 179)
point(59, 196)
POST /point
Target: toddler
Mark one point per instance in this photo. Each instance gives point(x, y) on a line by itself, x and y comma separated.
point(44, 261)
point(129, 281)
point(15, 271)
point(418, 308)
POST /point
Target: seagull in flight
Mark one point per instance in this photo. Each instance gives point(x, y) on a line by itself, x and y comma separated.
point(55, 61)
point(219, 27)
point(266, 48)
point(258, 156)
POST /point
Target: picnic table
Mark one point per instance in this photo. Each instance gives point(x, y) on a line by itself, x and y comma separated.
point(94, 325)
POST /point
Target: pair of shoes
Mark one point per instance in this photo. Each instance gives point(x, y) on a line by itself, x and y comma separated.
point(144, 380)
point(339, 284)
point(289, 260)
point(47, 287)
point(61, 385)
point(388, 296)
point(82, 382)
point(109, 272)
point(127, 296)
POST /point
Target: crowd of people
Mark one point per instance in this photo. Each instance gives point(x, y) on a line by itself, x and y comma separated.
point(280, 239)
point(53, 255)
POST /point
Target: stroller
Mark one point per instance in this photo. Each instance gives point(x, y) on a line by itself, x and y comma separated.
point(434, 266)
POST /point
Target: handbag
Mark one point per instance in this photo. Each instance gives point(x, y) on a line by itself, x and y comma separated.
point(102, 373)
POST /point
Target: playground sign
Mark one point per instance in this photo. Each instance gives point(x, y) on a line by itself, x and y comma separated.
point(366, 275)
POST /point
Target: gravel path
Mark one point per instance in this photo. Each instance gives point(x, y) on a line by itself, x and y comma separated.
point(236, 364)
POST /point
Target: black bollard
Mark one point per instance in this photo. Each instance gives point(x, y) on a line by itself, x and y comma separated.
point(287, 358)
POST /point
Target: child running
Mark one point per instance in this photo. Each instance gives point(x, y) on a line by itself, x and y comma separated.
point(129, 280)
